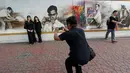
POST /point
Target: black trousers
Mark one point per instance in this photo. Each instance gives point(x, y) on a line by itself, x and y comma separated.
point(39, 36)
point(34, 37)
point(31, 37)
point(69, 63)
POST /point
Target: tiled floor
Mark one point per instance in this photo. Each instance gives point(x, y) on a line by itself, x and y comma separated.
point(49, 57)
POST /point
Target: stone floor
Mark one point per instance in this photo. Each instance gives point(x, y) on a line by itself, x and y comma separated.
point(49, 57)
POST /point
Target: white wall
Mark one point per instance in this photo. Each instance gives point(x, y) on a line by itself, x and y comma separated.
point(49, 37)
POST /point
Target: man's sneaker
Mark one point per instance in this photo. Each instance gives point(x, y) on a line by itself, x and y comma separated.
point(114, 41)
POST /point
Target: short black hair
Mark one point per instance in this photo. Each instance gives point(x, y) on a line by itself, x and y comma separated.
point(114, 11)
point(52, 7)
point(28, 16)
point(72, 21)
point(98, 5)
point(123, 6)
point(9, 8)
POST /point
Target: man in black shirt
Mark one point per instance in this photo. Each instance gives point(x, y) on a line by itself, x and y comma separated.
point(79, 51)
point(112, 25)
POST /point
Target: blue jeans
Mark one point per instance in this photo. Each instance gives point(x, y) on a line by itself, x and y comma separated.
point(112, 34)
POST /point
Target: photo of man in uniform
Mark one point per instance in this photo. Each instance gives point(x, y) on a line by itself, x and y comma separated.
point(53, 15)
point(124, 16)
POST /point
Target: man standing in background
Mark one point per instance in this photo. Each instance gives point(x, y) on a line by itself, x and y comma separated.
point(112, 25)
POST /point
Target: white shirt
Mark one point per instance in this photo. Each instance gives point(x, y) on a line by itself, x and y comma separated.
point(58, 24)
point(47, 27)
point(98, 17)
point(3, 13)
point(125, 13)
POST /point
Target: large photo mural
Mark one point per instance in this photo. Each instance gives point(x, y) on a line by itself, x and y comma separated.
point(9, 19)
point(99, 12)
point(53, 13)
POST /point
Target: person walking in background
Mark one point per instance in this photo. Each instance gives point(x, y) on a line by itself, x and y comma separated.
point(29, 26)
point(38, 27)
point(111, 26)
point(79, 50)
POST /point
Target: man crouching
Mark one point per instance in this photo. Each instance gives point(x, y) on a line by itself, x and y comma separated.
point(75, 38)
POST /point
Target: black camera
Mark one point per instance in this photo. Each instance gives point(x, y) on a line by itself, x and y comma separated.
point(60, 28)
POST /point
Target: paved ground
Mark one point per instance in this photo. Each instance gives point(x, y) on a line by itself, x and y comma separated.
point(49, 57)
